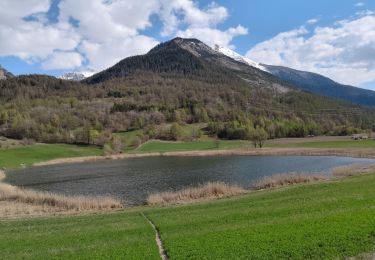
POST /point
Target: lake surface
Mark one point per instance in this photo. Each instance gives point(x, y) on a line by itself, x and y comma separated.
point(132, 180)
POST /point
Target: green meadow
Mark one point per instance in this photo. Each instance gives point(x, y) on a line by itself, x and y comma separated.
point(327, 220)
point(28, 155)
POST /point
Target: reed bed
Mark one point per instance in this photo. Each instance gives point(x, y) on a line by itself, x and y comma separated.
point(14, 200)
point(280, 180)
point(353, 170)
point(211, 190)
point(60, 202)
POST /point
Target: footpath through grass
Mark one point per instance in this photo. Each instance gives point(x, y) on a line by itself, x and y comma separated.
point(28, 155)
point(317, 221)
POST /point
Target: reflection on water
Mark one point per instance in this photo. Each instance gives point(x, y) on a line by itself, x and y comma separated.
point(133, 179)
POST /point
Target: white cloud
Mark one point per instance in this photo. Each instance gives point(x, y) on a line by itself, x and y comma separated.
point(312, 21)
point(212, 36)
point(359, 4)
point(63, 60)
point(31, 40)
point(104, 55)
point(344, 52)
point(104, 31)
point(199, 23)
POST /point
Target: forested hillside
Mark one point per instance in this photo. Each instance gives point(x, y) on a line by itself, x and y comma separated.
point(324, 86)
point(175, 83)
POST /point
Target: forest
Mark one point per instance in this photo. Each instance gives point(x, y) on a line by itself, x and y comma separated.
point(46, 109)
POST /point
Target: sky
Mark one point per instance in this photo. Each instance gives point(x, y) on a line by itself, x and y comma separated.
point(335, 38)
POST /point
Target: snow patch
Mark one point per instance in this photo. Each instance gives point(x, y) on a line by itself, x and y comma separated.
point(234, 55)
point(78, 75)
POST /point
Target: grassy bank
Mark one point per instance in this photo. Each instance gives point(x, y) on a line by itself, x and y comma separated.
point(325, 144)
point(324, 220)
point(28, 155)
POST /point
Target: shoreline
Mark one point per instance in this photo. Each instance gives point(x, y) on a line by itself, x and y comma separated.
point(368, 153)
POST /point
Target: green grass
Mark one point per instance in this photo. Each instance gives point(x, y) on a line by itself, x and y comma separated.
point(160, 146)
point(114, 236)
point(14, 157)
point(329, 220)
point(128, 138)
point(329, 144)
point(317, 221)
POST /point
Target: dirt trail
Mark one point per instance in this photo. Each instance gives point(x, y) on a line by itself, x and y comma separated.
point(159, 242)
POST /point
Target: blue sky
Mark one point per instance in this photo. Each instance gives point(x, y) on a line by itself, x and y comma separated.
point(330, 37)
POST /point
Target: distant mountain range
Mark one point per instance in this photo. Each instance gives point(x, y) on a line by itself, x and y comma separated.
point(310, 82)
point(167, 58)
point(324, 86)
point(4, 74)
point(78, 75)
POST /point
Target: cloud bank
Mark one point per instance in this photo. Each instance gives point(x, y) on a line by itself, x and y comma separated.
point(344, 52)
point(99, 33)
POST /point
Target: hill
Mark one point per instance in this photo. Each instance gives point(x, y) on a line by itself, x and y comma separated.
point(324, 86)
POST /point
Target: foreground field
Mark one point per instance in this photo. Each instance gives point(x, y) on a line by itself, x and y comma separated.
point(28, 155)
point(324, 220)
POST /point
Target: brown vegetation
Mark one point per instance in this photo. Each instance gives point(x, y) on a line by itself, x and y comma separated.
point(352, 170)
point(211, 190)
point(14, 200)
point(280, 180)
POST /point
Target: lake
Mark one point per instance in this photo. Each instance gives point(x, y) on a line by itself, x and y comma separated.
point(133, 179)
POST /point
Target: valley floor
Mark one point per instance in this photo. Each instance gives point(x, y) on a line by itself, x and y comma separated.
point(334, 219)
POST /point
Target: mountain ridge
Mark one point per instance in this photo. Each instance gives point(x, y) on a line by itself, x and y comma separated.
point(4, 74)
point(318, 84)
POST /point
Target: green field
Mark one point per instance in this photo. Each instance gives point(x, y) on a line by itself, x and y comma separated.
point(161, 146)
point(27, 155)
point(115, 236)
point(329, 144)
point(329, 220)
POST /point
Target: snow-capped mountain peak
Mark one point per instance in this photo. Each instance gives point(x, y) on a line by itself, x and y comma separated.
point(234, 55)
point(78, 75)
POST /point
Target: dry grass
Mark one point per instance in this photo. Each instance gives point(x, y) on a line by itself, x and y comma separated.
point(14, 201)
point(211, 190)
point(352, 170)
point(61, 202)
point(280, 180)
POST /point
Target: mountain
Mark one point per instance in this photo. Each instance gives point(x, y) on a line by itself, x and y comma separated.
point(190, 58)
point(238, 57)
point(78, 75)
point(181, 81)
point(4, 74)
point(324, 86)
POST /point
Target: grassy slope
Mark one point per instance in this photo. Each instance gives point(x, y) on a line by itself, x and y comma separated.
point(325, 220)
point(115, 236)
point(313, 221)
point(14, 157)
